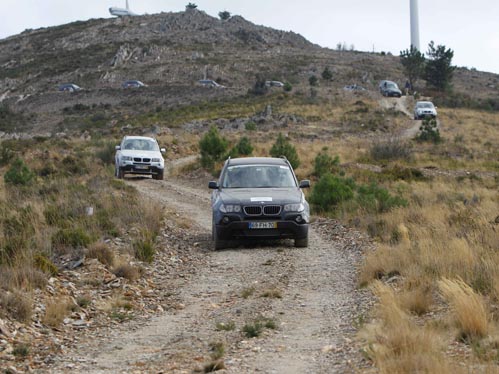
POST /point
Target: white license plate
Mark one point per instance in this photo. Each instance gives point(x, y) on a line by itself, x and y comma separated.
point(262, 225)
point(142, 167)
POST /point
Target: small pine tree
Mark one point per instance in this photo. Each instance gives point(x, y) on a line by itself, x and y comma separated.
point(282, 147)
point(327, 75)
point(288, 87)
point(191, 6)
point(429, 131)
point(439, 69)
point(19, 174)
point(224, 15)
point(330, 191)
point(212, 147)
point(259, 88)
point(244, 147)
point(413, 62)
point(313, 80)
point(324, 163)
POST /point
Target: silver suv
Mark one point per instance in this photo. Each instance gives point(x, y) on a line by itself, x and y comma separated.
point(425, 109)
point(139, 155)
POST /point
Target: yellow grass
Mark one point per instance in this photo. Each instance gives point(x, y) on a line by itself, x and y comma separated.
point(56, 311)
point(469, 308)
point(396, 345)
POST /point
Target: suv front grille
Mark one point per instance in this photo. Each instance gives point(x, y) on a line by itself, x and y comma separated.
point(253, 210)
point(267, 210)
point(140, 159)
point(271, 210)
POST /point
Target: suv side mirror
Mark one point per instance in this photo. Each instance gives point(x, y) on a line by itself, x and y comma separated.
point(212, 185)
point(305, 183)
point(117, 148)
point(163, 150)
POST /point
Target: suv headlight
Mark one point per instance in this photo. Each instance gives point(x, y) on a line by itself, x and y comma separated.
point(155, 160)
point(126, 158)
point(294, 207)
point(229, 208)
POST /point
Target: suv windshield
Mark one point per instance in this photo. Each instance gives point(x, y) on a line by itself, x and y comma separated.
point(391, 85)
point(141, 145)
point(258, 176)
point(425, 105)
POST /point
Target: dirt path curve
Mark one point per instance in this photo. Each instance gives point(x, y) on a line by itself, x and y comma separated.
point(306, 301)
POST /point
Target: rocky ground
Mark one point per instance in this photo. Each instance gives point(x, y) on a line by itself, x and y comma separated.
point(191, 306)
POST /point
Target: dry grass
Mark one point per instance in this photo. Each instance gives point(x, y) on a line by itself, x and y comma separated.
point(469, 308)
point(272, 293)
point(17, 305)
point(127, 271)
point(102, 252)
point(396, 345)
point(56, 311)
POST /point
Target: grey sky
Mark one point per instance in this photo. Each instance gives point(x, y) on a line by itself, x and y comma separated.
point(470, 28)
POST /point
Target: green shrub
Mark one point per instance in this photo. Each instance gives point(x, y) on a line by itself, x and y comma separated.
point(250, 126)
point(144, 250)
point(72, 237)
point(287, 87)
point(324, 163)
point(19, 174)
point(429, 132)
point(106, 153)
point(330, 191)
point(252, 330)
point(375, 199)
point(282, 147)
point(44, 264)
point(242, 148)
point(212, 147)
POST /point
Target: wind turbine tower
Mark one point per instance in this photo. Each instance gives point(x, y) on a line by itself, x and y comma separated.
point(414, 24)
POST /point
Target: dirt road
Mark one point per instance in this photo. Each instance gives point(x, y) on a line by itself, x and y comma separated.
point(305, 301)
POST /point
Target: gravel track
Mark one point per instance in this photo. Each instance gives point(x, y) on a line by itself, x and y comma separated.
point(309, 296)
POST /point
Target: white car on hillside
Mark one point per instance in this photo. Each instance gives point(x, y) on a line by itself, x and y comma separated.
point(139, 155)
point(424, 109)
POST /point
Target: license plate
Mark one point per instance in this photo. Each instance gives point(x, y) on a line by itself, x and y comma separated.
point(262, 225)
point(142, 167)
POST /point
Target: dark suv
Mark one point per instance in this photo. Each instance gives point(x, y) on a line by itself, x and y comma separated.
point(259, 197)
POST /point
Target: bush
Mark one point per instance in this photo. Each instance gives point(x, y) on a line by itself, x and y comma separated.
point(127, 271)
point(375, 199)
point(259, 88)
point(330, 191)
point(282, 147)
point(19, 174)
point(44, 264)
point(324, 163)
point(429, 132)
point(392, 149)
point(287, 87)
point(327, 74)
point(224, 15)
point(106, 153)
point(212, 147)
point(6, 154)
point(242, 148)
point(101, 252)
point(250, 126)
point(74, 237)
point(313, 81)
point(144, 250)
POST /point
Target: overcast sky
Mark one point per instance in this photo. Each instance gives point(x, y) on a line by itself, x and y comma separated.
point(470, 28)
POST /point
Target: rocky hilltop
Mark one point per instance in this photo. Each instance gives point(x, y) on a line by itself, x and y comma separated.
point(171, 52)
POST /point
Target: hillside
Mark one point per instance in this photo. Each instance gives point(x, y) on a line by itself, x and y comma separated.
point(171, 52)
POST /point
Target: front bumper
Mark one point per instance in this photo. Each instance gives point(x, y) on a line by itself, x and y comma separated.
point(237, 229)
point(142, 169)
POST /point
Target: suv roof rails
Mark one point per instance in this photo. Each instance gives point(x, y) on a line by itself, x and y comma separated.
point(228, 161)
point(284, 157)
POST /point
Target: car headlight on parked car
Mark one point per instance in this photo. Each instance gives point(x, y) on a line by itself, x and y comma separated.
point(155, 160)
point(230, 208)
point(294, 207)
point(126, 158)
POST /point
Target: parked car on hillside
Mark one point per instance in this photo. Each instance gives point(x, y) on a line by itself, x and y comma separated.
point(259, 198)
point(425, 109)
point(389, 89)
point(274, 84)
point(210, 83)
point(69, 87)
point(133, 84)
point(139, 155)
